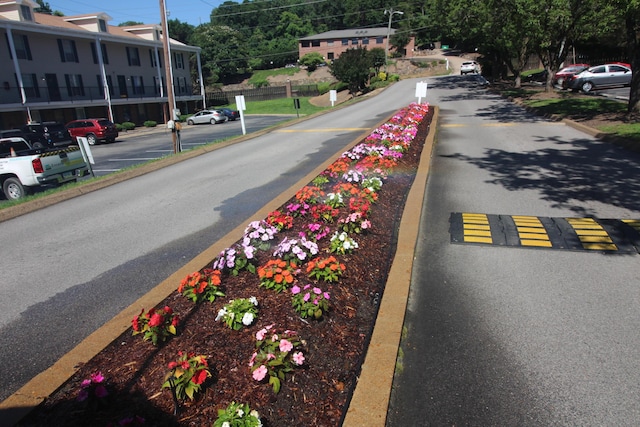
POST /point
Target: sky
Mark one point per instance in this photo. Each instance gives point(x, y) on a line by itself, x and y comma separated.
point(194, 12)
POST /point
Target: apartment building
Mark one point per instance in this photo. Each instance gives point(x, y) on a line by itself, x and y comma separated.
point(65, 68)
point(333, 43)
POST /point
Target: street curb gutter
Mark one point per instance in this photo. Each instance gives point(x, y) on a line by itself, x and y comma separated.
point(370, 401)
point(19, 404)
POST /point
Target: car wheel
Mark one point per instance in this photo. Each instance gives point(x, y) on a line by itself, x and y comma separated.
point(587, 87)
point(13, 189)
point(189, 122)
point(111, 140)
point(38, 145)
point(214, 122)
point(91, 139)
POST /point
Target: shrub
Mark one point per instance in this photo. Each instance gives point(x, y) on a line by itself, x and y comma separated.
point(128, 125)
point(150, 124)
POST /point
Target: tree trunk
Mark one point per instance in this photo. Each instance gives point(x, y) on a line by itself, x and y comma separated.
point(634, 54)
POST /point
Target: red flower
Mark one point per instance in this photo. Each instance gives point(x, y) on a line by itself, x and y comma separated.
point(174, 321)
point(156, 320)
point(199, 377)
point(172, 365)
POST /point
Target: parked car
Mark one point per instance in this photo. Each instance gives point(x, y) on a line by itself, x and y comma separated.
point(47, 134)
point(232, 115)
point(567, 72)
point(95, 130)
point(469, 67)
point(207, 116)
point(600, 76)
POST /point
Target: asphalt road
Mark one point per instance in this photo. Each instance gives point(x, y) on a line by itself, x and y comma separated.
point(508, 336)
point(71, 267)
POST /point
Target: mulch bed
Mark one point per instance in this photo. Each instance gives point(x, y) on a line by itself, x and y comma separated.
point(315, 394)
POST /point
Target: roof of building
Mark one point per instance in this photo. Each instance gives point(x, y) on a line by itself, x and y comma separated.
point(351, 33)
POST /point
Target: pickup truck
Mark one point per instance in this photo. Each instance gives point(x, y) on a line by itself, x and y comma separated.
point(23, 168)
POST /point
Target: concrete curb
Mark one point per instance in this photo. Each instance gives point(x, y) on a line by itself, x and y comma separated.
point(18, 405)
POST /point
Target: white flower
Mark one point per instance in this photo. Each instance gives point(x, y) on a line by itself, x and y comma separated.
point(247, 319)
point(254, 301)
point(226, 424)
point(240, 413)
point(221, 313)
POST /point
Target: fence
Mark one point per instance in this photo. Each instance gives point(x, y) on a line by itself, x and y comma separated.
point(225, 97)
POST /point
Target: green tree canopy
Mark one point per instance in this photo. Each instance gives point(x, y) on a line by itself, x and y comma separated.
point(353, 68)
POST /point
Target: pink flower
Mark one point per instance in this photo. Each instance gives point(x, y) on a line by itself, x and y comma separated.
point(97, 377)
point(253, 358)
point(83, 395)
point(317, 291)
point(85, 383)
point(285, 346)
point(261, 333)
point(260, 373)
point(326, 295)
point(101, 391)
point(306, 297)
point(298, 358)
point(271, 356)
point(295, 290)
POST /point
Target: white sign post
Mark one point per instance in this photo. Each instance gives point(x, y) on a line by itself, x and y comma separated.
point(421, 91)
point(85, 148)
point(240, 105)
point(333, 96)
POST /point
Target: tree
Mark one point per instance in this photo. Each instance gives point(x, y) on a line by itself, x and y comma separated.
point(44, 7)
point(632, 24)
point(312, 60)
point(377, 58)
point(130, 23)
point(180, 31)
point(353, 68)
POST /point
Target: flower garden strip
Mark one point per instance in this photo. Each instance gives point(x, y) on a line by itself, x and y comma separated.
point(321, 352)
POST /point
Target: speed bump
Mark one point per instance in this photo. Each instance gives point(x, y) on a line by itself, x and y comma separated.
point(578, 234)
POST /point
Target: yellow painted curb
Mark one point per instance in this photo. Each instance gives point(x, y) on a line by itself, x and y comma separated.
point(370, 401)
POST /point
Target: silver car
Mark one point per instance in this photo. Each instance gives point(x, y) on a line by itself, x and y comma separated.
point(207, 116)
point(601, 76)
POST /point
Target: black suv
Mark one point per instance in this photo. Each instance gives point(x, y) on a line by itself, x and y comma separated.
point(47, 135)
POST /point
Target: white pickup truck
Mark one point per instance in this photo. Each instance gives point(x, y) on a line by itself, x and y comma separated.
point(23, 168)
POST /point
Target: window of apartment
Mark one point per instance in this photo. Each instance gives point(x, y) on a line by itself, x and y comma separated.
point(68, 51)
point(30, 85)
point(379, 40)
point(152, 58)
point(365, 41)
point(156, 85)
point(315, 43)
point(305, 43)
point(330, 56)
point(137, 85)
point(105, 57)
point(345, 42)
point(178, 58)
point(102, 25)
point(74, 84)
point(133, 56)
point(101, 84)
point(354, 42)
point(20, 44)
point(329, 42)
point(26, 13)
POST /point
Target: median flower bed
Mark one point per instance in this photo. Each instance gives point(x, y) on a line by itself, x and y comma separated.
point(274, 330)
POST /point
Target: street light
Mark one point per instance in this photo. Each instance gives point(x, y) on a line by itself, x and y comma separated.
point(391, 12)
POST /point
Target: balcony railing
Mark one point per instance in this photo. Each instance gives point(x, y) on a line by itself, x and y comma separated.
point(88, 93)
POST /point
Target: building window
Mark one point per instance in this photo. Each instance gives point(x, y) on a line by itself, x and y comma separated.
point(74, 84)
point(101, 84)
point(345, 42)
point(26, 13)
point(21, 45)
point(379, 40)
point(103, 25)
point(178, 58)
point(137, 85)
point(68, 51)
point(354, 42)
point(330, 56)
point(105, 57)
point(30, 85)
point(152, 58)
point(365, 41)
point(156, 85)
point(305, 43)
point(329, 42)
point(133, 56)
point(315, 43)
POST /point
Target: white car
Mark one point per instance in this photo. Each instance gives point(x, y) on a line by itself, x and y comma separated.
point(470, 67)
point(207, 116)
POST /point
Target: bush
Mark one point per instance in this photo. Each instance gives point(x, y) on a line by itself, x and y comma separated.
point(150, 124)
point(119, 127)
point(128, 126)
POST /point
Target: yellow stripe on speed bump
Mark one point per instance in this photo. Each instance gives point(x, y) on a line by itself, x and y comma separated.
point(531, 231)
point(476, 228)
point(592, 235)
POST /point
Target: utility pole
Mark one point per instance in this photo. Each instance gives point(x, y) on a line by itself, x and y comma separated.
point(391, 12)
point(168, 72)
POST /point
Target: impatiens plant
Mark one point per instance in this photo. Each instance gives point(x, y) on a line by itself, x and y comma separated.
point(315, 231)
point(353, 175)
point(238, 415)
point(239, 313)
point(155, 324)
point(277, 274)
point(296, 249)
point(310, 194)
point(201, 287)
point(298, 209)
point(236, 258)
point(320, 180)
point(186, 375)
point(93, 388)
point(354, 223)
point(259, 235)
point(324, 212)
point(325, 269)
point(373, 183)
point(334, 200)
point(276, 355)
point(280, 220)
point(310, 301)
point(342, 244)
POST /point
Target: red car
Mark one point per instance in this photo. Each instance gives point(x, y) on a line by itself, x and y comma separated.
point(567, 72)
point(95, 130)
